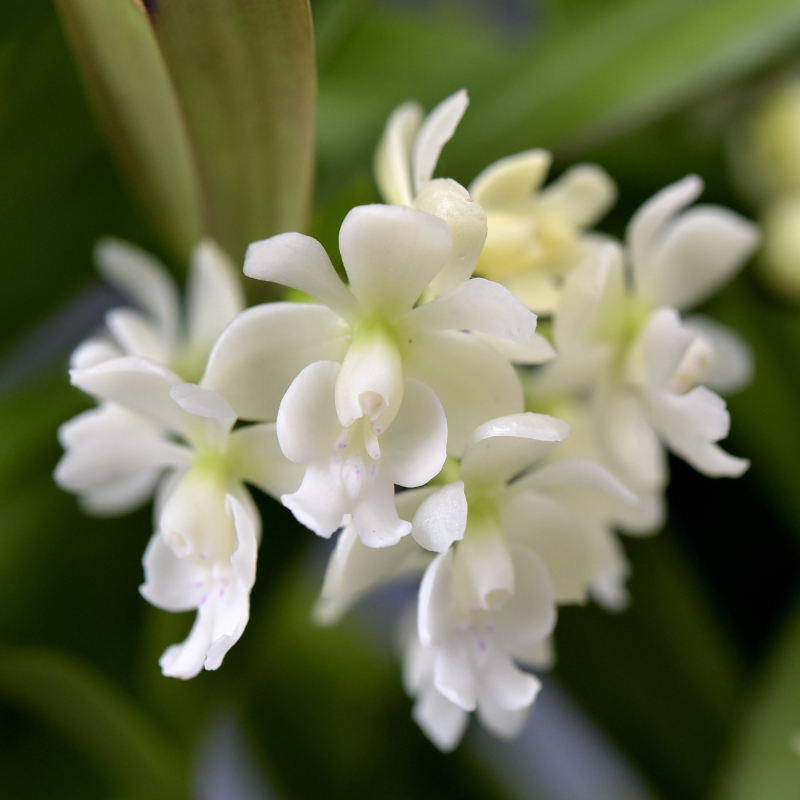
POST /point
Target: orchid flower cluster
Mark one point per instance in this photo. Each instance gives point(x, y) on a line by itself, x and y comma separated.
point(416, 410)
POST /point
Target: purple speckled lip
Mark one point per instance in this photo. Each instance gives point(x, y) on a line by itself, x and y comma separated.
point(151, 6)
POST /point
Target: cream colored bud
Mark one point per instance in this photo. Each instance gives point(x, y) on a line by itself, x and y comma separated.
point(766, 151)
point(780, 255)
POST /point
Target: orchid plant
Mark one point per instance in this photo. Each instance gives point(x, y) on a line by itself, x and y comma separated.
point(442, 339)
point(396, 396)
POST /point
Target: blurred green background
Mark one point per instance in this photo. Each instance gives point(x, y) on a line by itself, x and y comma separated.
point(697, 685)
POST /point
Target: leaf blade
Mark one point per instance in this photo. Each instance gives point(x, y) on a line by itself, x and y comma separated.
point(133, 97)
point(246, 78)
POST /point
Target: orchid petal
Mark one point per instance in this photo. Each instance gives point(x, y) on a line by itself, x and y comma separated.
point(697, 254)
point(104, 419)
point(537, 350)
point(691, 424)
point(143, 278)
point(443, 722)
point(557, 538)
point(575, 472)
point(647, 223)
point(483, 572)
point(663, 342)
point(265, 348)
point(539, 290)
point(202, 402)
point(582, 195)
point(93, 352)
point(307, 425)
point(454, 677)
point(370, 382)
point(448, 200)
point(393, 155)
point(510, 182)
point(135, 334)
point(391, 253)
point(500, 449)
point(122, 496)
point(731, 368)
point(139, 385)
point(298, 261)
point(171, 583)
point(509, 687)
point(353, 569)
point(415, 445)
point(632, 443)
point(375, 515)
point(195, 520)
point(435, 598)
point(436, 130)
point(255, 456)
point(214, 296)
point(116, 456)
point(441, 519)
point(529, 616)
point(476, 305)
point(501, 722)
point(320, 503)
point(473, 382)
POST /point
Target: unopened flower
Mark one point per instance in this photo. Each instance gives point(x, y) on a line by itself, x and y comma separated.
point(390, 254)
point(176, 439)
point(537, 235)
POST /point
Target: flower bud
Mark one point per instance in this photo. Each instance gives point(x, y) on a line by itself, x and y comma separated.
point(780, 255)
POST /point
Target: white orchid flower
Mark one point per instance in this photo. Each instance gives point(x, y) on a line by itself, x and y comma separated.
point(510, 549)
point(537, 235)
point(461, 659)
point(508, 553)
point(627, 346)
point(156, 432)
point(154, 329)
point(353, 470)
point(405, 160)
point(485, 509)
point(507, 496)
point(372, 328)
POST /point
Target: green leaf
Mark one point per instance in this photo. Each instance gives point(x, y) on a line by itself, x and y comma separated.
point(621, 69)
point(133, 96)
point(662, 677)
point(764, 761)
point(245, 74)
point(79, 703)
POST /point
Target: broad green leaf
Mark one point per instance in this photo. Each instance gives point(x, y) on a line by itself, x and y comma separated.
point(79, 703)
point(661, 677)
point(245, 74)
point(131, 91)
point(764, 761)
point(334, 21)
point(621, 69)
